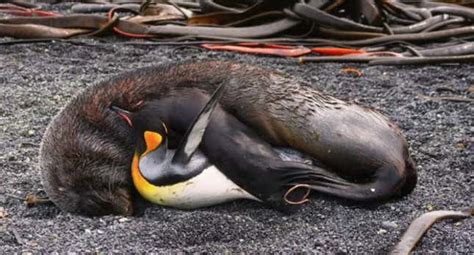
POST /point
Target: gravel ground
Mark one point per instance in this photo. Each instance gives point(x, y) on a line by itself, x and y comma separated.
point(36, 80)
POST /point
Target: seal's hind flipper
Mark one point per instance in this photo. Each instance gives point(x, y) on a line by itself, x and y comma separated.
point(315, 178)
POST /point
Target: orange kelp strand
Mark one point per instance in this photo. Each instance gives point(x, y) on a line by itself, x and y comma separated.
point(283, 52)
point(336, 51)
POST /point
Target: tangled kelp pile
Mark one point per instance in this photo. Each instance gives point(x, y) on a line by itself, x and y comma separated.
point(377, 32)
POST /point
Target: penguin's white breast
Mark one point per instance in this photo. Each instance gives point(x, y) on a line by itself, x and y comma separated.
point(210, 187)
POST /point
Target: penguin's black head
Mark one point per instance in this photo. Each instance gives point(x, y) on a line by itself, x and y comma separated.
point(151, 153)
point(149, 130)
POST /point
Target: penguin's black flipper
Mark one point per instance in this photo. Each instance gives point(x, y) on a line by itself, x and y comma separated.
point(195, 132)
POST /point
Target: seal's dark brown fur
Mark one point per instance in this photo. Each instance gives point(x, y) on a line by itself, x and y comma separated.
point(86, 151)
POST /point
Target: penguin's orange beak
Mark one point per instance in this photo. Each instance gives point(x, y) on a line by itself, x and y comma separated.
point(149, 162)
point(124, 114)
point(152, 140)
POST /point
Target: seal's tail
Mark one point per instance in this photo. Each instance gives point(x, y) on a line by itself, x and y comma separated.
point(383, 185)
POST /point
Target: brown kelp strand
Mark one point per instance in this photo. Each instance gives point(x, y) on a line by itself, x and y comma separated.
point(420, 225)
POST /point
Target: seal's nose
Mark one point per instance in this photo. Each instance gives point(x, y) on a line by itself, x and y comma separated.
point(123, 204)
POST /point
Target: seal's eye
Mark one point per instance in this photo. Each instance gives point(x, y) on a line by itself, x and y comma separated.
point(152, 140)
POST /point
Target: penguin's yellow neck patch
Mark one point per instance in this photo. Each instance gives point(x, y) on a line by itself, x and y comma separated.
point(142, 185)
point(152, 141)
point(150, 192)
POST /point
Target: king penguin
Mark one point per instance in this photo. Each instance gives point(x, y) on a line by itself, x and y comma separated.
point(183, 177)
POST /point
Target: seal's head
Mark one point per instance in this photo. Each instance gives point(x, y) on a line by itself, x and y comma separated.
point(85, 163)
point(87, 193)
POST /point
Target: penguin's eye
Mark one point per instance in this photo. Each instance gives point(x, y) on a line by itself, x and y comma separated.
point(164, 126)
point(152, 140)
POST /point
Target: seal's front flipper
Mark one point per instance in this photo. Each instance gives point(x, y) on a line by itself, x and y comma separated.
point(195, 133)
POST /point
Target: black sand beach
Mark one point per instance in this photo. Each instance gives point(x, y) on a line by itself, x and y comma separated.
point(36, 80)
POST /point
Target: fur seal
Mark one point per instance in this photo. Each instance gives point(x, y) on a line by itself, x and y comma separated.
point(87, 149)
